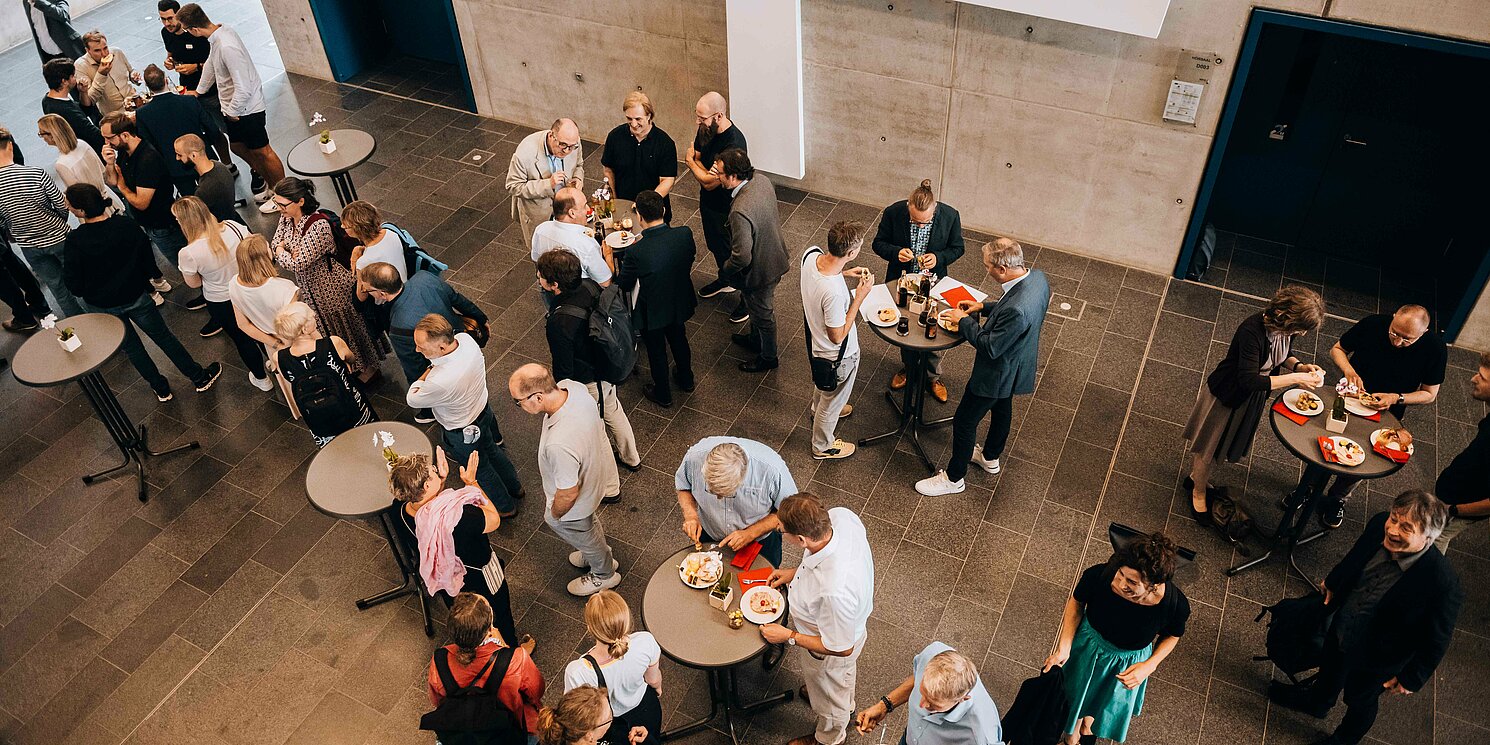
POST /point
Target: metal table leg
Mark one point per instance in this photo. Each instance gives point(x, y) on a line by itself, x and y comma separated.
point(1290, 532)
point(410, 584)
point(912, 412)
point(346, 191)
point(132, 441)
point(716, 697)
point(724, 690)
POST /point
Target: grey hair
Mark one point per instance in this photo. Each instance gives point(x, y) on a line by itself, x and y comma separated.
point(724, 468)
point(1004, 253)
point(949, 676)
point(1424, 509)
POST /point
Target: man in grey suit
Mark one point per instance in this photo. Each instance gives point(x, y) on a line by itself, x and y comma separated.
point(544, 162)
point(52, 31)
point(1006, 344)
point(757, 259)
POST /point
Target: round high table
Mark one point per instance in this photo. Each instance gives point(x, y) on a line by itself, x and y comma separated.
point(353, 148)
point(42, 363)
point(911, 407)
point(1303, 441)
point(348, 479)
point(695, 634)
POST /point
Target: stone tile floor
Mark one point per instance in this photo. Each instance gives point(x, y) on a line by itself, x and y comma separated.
point(220, 612)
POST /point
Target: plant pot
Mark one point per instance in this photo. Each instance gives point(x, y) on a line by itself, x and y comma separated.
point(328, 147)
point(71, 343)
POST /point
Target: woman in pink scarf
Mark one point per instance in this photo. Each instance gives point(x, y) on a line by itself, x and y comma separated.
point(449, 527)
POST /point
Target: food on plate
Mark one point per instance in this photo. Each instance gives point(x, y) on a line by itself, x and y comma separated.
point(701, 568)
point(1308, 402)
point(887, 314)
point(1397, 438)
point(764, 603)
point(1349, 451)
point(1366, 399)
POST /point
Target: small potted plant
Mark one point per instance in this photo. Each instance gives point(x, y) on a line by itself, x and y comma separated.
point(328, 145)
point(68, 339)
point(385, 440)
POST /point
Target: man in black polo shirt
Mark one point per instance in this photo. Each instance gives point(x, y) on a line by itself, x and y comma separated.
point(1400, 361)
point(716, 133)
point(185, 54)
point(61, 77)
point(1465, 485)
point(639, 156)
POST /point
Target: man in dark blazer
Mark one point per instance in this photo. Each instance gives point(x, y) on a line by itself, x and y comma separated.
point(661, 261)
point(915, 234)
point(1006, 344)
point(168, 116)
point(1395, 600)
point(52, 19)
point(757, 259)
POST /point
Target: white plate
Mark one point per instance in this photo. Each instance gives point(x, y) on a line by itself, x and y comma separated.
point(701, 585)
point(1377, 435)
point(614, 239)
point(875, 318)
point(1340, 452)
point(1291, 398)
point(1354, 406)
point(762, 618)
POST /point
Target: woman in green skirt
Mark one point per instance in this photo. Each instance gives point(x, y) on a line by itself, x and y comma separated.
point(1123, 619)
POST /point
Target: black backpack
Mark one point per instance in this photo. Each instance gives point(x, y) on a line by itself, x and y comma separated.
point(473, 715)
point(326, 404)
point(611, 333)
point(344, 241)
point(1295, 641)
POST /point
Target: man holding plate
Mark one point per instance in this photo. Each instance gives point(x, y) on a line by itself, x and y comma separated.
point(832, 595)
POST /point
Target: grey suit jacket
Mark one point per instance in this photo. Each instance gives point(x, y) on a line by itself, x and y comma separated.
point(59, 27)
point(758, 255)
point(1008, 341)
point(528, 181)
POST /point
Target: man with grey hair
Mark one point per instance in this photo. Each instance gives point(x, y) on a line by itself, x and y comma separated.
point(544, 162)
point(728, 491)
point(1395, 600)
point(1465, 484)
point(1006, 346)
point(948, 704)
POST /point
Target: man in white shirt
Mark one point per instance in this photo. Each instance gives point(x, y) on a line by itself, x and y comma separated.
point(578, 471)
point(832, 595)
point(567, 230)
point(105, 73)
point(830, 310)
point(454, 389)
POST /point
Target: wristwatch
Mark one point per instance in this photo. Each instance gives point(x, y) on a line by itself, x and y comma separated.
point(791, 641)
point(1453, 510)
point(889, 707)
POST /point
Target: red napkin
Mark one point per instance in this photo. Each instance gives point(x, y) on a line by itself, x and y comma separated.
point(1327, 449)
point(1373, 418)
point(755, 576)
point(744, 556)
point(1283, 409)
point(1396, 456)
point(956, 295)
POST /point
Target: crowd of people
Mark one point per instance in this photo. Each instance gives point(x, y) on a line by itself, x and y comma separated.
point(146, 176)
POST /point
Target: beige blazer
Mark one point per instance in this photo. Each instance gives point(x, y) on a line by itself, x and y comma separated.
point(528, 181)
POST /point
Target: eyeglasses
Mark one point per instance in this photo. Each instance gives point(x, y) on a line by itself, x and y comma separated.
point(564, 147)
point(282, 202)
point(518, 402)
point(1400, 339)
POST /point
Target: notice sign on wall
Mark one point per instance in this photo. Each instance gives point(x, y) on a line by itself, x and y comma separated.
point(1191, 76)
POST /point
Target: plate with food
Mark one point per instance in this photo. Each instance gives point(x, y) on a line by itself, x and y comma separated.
point(1300, 401)
point(762, 605)
point(1393, 438)
point(944, 319)
point(701, 569)
point(1361, 405)
point(886, 316)
point(1348, 451)
point(621, 238)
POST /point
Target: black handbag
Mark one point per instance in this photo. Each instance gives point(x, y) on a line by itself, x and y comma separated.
point(824, 371)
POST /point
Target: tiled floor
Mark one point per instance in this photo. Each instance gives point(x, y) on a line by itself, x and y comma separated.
point(221, 611)
point(417, 78)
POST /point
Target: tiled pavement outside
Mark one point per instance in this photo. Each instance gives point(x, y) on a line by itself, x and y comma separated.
point(221, 611)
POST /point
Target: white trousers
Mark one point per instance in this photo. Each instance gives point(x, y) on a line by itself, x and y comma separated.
point(830, 686)
point(617, 425)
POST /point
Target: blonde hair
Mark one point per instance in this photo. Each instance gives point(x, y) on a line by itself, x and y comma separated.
point(255, 264)
point(608, 619)
point(291, 322)
point(579, 711)
point(362, 220)
point(407, 476)
point(198, 222)
point(637, 98)
point(62, 135)
point(949, 676)
point(922, 198)
point(724, 468)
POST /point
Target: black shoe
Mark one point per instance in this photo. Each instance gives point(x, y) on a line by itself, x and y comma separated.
point(256, 184)
point(1204, 518)
point(210, 374)
point(163, 393)
point(716, 287)
point(521, 494)
point(650, 392)
point(684, 385)
point(19, 326)
point(739, 316)
point(196, 303)
point(233, 169)
point(1332, 513)
point(213, 328)
point(745, 340)
point(1087, 740)
point(611, 500)
point(1297, 698)
point(628, 467)
point(424, 416)
point(759, 364)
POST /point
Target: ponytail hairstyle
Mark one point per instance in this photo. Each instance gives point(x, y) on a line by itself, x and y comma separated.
point(608, 619)
point(470, 624)
point(579, 711)
point(198, 223)
point(922, 198)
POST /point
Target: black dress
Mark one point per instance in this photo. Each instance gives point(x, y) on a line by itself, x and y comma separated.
point(332, 412)
point(475, 552)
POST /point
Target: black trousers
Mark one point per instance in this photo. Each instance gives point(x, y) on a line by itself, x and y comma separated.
point(965, 428)
point(716, 233)
point(1362, 689)
point(248, 350)
point(658, 341)
point(19, 288)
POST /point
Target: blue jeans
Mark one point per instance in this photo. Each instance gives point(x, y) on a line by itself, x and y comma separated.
point(169, 242)
point(494, 472)
point(46, 261)
point(143, 313)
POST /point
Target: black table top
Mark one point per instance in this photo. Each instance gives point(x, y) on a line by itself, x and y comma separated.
point(1303, 439)
point(353, 148)
point(42, 362)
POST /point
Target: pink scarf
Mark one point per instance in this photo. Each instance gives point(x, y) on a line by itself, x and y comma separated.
point(434, 528)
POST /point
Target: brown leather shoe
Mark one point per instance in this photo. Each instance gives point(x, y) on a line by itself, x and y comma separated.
point(938, 391)
point(897, 382)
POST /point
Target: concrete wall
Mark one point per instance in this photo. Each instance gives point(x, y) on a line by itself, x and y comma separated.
point(15, 27)
point(297, 37)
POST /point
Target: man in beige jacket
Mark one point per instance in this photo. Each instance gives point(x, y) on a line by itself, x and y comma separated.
point(544, 162)
point(106, 74)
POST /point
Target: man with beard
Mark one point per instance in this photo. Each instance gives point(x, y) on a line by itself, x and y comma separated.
point(716, 133)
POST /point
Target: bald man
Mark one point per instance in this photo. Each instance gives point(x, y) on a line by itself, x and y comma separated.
point(1400, 361)
point(716, 133)
point(544, 162)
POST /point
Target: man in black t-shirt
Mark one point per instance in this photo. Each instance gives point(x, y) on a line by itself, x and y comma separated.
point(185, 54)
point(716, 133)
point(639, 156)
point(61, 77)
point(1465, 485)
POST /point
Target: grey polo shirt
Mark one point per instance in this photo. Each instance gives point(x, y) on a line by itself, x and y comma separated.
point(767, 482)
point(971, 722)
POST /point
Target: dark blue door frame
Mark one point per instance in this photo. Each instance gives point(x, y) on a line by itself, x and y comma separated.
point(1261, 19)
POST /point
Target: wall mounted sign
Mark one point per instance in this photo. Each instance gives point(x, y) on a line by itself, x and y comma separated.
point(1191, 76)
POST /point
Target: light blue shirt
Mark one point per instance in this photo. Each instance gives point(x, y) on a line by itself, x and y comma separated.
point(735, 192)
point(971, 722)
point(767, 482)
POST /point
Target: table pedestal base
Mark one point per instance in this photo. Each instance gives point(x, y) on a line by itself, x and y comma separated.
point(410, 586)
point(131, 439)
point(1290, 533)
point(346, 191)
point(724, 690)
point(912, 412)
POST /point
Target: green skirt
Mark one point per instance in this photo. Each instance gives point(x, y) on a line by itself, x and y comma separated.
point(1093, 687)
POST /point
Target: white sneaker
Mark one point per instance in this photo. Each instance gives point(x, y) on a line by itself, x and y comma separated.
point(160, 285)
point(590, 584)
point(158, 299)
point(991, 466)
point(839, 449)
point(269, 207)
point(265, 195)
point(577, 560)
point(262, 384)
point(939, 485)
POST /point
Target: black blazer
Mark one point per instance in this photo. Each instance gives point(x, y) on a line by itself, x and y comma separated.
point(59, 27)
point(1237, 377)
point(662, 261)
point(1412, 625)
point(895, 233)
point(171, 115)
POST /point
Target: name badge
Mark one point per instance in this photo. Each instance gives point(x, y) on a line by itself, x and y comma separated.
point(188, 46)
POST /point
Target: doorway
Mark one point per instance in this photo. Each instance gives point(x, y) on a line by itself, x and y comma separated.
point(1350, 159)
point(409, 49)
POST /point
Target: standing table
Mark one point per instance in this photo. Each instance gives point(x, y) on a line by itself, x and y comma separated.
point(693, 633)
point(911, 407)
point(353, 148)
point(348, 479)
point(41, 363)
point(1303, 441)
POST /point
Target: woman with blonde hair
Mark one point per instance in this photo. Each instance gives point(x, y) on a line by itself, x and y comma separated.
point(625, 663)
point(583, 717)
point(258, 292)
point(209, 261)
point(75, 165)
point(327, 398)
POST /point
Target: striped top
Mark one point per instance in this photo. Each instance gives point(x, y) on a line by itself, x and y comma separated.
point(32, 212)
